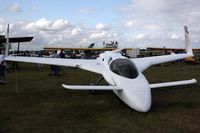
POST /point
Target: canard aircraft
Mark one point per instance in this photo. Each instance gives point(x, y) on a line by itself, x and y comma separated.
point(124, 75)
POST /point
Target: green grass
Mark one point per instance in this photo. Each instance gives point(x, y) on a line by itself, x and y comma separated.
point(34, 102)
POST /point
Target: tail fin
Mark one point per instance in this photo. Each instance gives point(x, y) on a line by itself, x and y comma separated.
point(188, 47)
point(7, 42)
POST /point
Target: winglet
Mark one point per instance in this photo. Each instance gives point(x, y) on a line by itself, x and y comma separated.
point(188, 47)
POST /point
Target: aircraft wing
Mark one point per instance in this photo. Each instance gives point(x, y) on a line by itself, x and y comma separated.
point(85, 87)
point(175, 83)
point(144, 63)
point(86, 64)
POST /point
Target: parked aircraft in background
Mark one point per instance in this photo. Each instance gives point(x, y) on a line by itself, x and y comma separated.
point(124, 75)
point(112, 44)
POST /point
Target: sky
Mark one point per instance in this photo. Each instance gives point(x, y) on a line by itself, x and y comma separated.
point(77, 23)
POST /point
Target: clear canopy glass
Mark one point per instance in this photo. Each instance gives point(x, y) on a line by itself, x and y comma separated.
point(124, 68)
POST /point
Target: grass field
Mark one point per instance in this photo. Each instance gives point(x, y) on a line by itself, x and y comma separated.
point(33, 102)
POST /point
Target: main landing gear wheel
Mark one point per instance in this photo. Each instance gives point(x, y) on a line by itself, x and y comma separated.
point(97, 83)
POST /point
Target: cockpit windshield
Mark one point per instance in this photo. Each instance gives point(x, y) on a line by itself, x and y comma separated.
point(124, 68)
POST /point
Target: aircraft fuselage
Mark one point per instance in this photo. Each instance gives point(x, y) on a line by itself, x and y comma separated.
point(121, 72)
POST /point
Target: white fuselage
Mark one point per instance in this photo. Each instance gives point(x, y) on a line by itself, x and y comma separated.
point(135, 91)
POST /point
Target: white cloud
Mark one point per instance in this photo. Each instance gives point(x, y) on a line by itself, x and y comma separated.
point(98, 35)
point(2, 26)
point(45, 32)
point(129, 23)
point(58, 33)
point(165, 12)
point(76, 31)
point(76, 36)
point(101, 27)
point(56, 40)
point(14, 8)
point(30, 26)
point(174, 36)
point(139, 37)
point(152, 27)
point(84, 41)
point(43, 24)
point(60, 24)
point(2, 20)
point(47, 25)
point(1, 29)
point(162, 21)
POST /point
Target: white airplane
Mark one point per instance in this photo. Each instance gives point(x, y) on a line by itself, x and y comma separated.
point(124, 75)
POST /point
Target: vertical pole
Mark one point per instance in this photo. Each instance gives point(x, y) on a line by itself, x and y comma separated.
point(7, 42)
point(18, 47)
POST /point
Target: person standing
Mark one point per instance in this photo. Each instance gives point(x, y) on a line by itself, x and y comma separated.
point(62, 55)
point(2, 69)
point(56, 69)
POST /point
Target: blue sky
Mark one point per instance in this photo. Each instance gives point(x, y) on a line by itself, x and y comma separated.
point(102, 10)
point(75, 23)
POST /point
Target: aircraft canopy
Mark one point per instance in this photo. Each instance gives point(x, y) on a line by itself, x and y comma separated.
point(124, 68)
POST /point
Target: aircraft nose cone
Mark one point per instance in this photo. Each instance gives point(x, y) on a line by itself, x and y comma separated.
point(143, 102)
point(136, 92)
point(143, 106)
